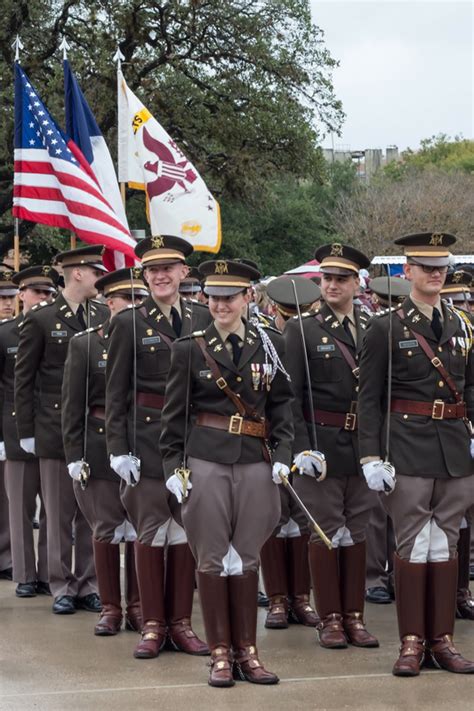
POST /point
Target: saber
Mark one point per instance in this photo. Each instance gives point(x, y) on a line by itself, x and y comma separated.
point(85, 472)
point(183, 473)
point(387, 489)
point(308, 382)
point(133, 454)
point(314, 525)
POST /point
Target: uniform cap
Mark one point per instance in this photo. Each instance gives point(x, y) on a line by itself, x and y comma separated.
point(282, 293)
point(457, 285)
point(341, 259)
point(7, 285)
point(90, 256)
point(192, 283)
point(398, 287)
point(226, 277)
point(122, 282)
point(42, 277)
point(162, 249)
point(427, 248)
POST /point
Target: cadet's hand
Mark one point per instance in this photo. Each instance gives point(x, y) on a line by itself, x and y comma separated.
point(126, 466)
point(175, 485)
point(380, 476)
point(311, 463)
point(277, 469)
point(3, 454)
point(74, 469)
point(28, 445)
point(472, 448)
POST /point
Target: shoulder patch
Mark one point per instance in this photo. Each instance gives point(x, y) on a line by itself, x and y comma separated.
point(88, 330)
point(7, 320)
point(40, 305)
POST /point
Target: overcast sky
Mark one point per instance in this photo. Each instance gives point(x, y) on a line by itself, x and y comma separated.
point(406, 69)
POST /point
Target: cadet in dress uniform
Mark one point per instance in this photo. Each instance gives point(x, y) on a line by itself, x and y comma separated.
point(42, 349)
point(239, 395)
point(22, 474)
point(456, 292)
point(432, 395)
point(284, 557)
point(341, 503)
point(8, 292)
point(144, 335)
point(99, 496)
point(380, 537)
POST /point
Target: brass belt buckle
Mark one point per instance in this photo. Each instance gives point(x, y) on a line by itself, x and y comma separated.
point(351, 421)
point(437, 413)
point(235, 424)
point(221, 383)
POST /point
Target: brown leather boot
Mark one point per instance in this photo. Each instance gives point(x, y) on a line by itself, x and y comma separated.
point(352, 572)
point(464, 600)
point(150, 574)
point(179, 595)
point(440, 609)
point(299, 582)
point(107, 566)
point(214, 598)
point(410, 597)
point(273, 562)
point(243, 617)
point(133, 615)
point(324, 568)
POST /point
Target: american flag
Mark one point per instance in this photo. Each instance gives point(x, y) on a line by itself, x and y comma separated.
point(53, 182)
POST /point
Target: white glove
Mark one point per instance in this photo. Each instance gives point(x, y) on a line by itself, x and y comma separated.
point(3, 454)
point(472, 448)
point(28, 445)
point(126, 467)
point(175, 485)
point(74, 469)
point(380, 476)
point(311, 462)
point(278, 469)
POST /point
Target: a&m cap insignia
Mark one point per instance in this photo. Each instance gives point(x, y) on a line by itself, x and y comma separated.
point(436, 239)
point(336, 250)
point(46, 270)
point(158, 242)
point(221, 267)
point(136, 272)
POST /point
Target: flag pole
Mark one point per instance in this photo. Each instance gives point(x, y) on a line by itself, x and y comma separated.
point(17, 45)
point(118, 58)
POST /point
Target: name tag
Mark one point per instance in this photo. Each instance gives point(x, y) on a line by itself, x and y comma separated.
point(13, 349)
point(205, 374)
point(408, 344)
point(325, 348)
point(151, 339)
point(59, 334)
point(102, 364)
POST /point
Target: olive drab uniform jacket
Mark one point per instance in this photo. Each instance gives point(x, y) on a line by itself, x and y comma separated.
point(42, 350)
point(9, 337)
point(420, 445)
point(334, 387)
point(88, 345)
point(154, 335)
point(217, 445)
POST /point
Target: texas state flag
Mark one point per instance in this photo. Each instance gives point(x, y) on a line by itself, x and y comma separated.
point(82, 127)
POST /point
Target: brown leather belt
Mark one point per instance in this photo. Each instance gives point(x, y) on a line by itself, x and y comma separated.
point(98, 412)
point(344, 420)
point(151, 400)
point(235, 425)
point(437, 410)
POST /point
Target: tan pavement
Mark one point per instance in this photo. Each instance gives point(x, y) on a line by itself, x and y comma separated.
point(53, 662)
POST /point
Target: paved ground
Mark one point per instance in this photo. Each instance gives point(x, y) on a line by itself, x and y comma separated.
point(52, 662)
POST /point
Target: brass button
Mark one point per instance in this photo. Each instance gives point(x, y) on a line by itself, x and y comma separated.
point(326, 355)
point(152, 348)
point(60, 340)
point(356, 388)
point(410, 353)
point(101, 429)
point(13, 414)
point(405, 417)
point(440, 348)
point(239, 379)
point(441, 383)
point(147, 419)
point(56, 405)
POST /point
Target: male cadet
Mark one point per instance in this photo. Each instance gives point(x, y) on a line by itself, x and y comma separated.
point(83, 425)
point(8, 292)
point(380, 538)
point(456, 291)
point(341, 503)
point(284, 557)
point(22, 474)
point(44, 338)
point(431, 396)
point(137, 370)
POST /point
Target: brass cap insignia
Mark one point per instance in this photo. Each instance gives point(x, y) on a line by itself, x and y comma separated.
point(457, 277)
point(46, 270)
point(436, 239)
point(336, 250)
point(136, 272)
point(6, 275)
point(221, 267)
point(157, 242)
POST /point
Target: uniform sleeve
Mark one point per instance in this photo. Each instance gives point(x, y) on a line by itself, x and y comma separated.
point(373, 365)
point(174, 412)
point(296, 369)
point(278, 412)
point(30, 353)
point(74, 399)
point(118, 374)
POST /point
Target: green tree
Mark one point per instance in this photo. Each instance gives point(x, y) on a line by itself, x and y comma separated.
point(244, 87)
point(439, 151)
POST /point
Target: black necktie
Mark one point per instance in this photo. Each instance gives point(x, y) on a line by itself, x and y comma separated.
point(80, 316)
point(176, 321)
point(345, 322)
point(436, 324)
point(234, 341)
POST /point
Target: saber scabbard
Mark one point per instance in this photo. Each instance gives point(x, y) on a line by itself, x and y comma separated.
point(314, 525)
